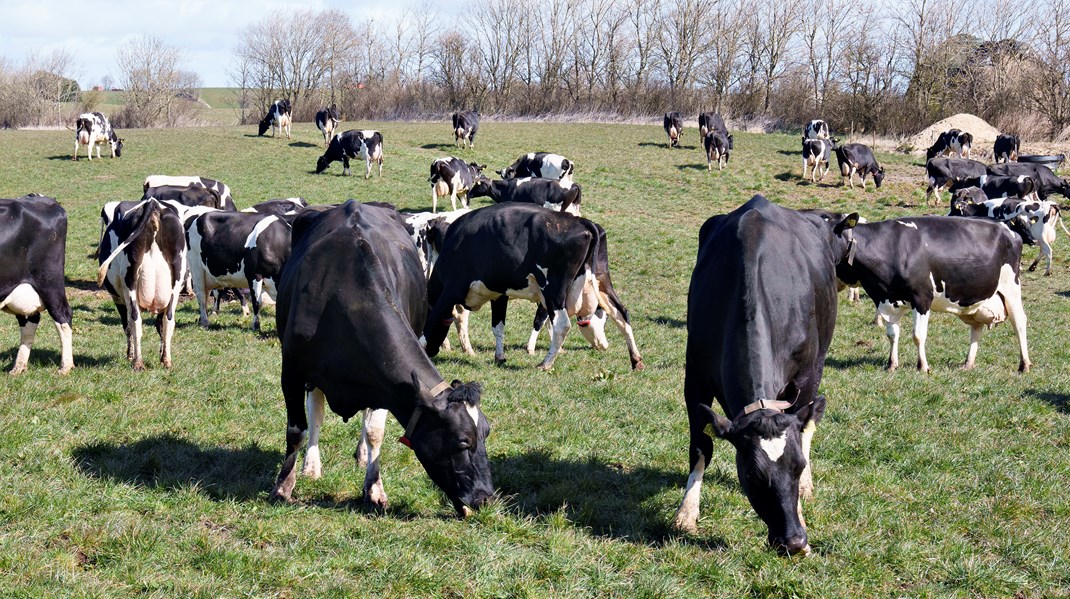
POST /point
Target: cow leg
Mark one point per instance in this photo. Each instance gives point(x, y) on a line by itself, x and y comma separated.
point(345, 164)
point(498, 307)
point(560, 323)
point(1011, 292)
point(374, 432)
point(921, 332)
point(616, 312)
point(314, 405)
point(200, 289)
point(256, 287)
point(701, 446)
point(66, 360)
point(460, 320)
point(453, 199)
point(134, 335)
point(27, 332)
point(434, 199)
point(804, 167)
point(293, 390)
point(368, 169)
point(806, 479)
point(464, 199)
point(380, 161)
point(536, 327)
point(975, 339)
point(891, 316)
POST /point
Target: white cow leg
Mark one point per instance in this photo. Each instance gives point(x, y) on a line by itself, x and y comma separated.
point(27, 332)
point(135, 333)
point(165, 324)
point(460, 320)
point(498, 308)
point(374, 430)
point(361, 453)
point(434, 200)
point(314, 406)
point(891, 329)
point(687, 515)
point(66, 361)
point(453, 200)
point(1012, 299)
point(975, 340)
point(921, 332)
point(560, 325)
point(806, 479)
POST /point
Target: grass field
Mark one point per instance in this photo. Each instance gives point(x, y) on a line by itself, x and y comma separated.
point(116, 483)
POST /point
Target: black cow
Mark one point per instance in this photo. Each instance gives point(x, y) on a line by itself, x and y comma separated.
point(279, 207)
point(327, 120)
point(189, 196)
point(718, 147)
point(465, 127)
point(858, 159)
point(366, 145)
point(758, 331)
point(710, 121)
point(816, 129)
point(964, 266)
point(539, 164)
point(278, 115)
point(951, 141)
point(1046, 181)
point(674, 126)
point(352, 300)
point(33, 243)
point(143, 267)
point(222, 189)
point(942, 172)
point(816, 153)
point(455, 178)
point(1005, 148)
point(92, 129)
point(994, 186)
point(549, 193)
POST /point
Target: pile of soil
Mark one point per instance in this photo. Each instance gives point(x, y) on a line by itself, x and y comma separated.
point(983, 133)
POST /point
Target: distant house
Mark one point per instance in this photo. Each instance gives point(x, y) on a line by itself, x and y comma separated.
point(98, 88)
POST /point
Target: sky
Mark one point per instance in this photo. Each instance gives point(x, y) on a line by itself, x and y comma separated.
point(205, 31)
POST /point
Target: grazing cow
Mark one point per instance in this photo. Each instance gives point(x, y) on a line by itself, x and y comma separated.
point(994, 186)
point(465, 127)
point(366, 145)
point(280, 207)
point(1005, 149)
point(816, 153)
point(189, 196)
point(540, 164)
point(327, 120)
point(718, 146)
point(674, 126)
point(143, 267)
point(352, 300)
point(33, 242)
point(539, 255)
point(221, 189)
point(951, 141)
point(1046, 181)
point(758, 331)
point(858, 159)
point(1033, 220)
point(942, 172)
point(963, 266)
point(278, 116)
point(455, 178)
point(428, 233)
point(816, 129)
point(237, 250)
point(549, 193)
point(93, 129)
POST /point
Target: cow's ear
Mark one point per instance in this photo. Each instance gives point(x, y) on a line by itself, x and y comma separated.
point(812, 413)
point(716, 425)
point(847, 223)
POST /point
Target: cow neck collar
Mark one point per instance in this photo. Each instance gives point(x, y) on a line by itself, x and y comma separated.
point(766, 404)
point(406, 439)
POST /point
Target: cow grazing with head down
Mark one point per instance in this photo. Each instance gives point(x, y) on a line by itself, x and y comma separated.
point(92, 129)
point(366, 145)
point(352, 300)
point(143, 267)
point(816, 155)
point(816, 129)
point(1046, 181)
point(540, 164)
point(1005, 148)
point(455, 178)
point(758, 331)
point(858, 159)
point(33, 242)
point(549, 193)
point(943, 172)
point(327, 120)
point(994, 186)
point(278, 116)
point(221, 189)
point(952, 141)
point(465, 127)
point(674, 127)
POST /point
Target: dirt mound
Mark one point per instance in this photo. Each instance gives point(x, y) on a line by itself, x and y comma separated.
point(983, 133)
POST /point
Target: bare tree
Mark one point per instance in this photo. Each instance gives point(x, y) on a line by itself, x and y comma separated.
point(152, 80)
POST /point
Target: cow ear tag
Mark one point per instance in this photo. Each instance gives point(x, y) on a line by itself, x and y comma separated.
point(709, 431)
point(851, 222)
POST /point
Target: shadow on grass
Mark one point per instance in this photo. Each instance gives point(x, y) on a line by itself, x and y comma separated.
point(68, 157)
point(83, 285)
point(692, 167)
point(872, 360)
point(49, 359)
point(1060, 400)
point(668, 321)
point(1063, 293)
point(302, 144)
point(439, 146)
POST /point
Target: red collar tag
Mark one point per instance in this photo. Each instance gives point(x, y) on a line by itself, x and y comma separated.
point(584, 323)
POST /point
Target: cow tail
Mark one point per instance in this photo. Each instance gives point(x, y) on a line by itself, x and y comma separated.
point(153, 221)
point(572, 199)
point(592, 249)
point(1058, 217)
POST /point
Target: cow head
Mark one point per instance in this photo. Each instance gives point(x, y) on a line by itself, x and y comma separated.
point(878, 176)
point(507, 173)
point(322, 163)
point(477, 173)
point(1022, 224)
point(593, 329)
point(967, 202)
point(265, 124)
point(449, 439)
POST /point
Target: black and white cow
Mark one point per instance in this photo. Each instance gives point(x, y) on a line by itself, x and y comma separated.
point(279, 207)
point(708, 121)
point(33, 243)
point(674, 127)
point(352, 300)
point(327, 120)
point(455, 178)
point(1005, 148)
point(963, 266)
point(549, 193)
point(92, 129)
point(428, 233)
point(221, 188)
point(366, 145)
point(465, 127)
point(1046, 181)
point(278, 116)
point(189, 196)
point(143, 267)
point(993, 186)
point(858, 159)
point(540, 164)
point(1037, 217)
point(942, 172)
point(237, 250)
point(758, 331)
point(816, 155)
point(718, 147)
point(816, 129)
point(542, 256)
point(951, 141)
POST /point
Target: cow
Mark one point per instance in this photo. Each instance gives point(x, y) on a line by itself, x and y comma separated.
point(549, 193)
point(993, 186)
point(465, 127)
point(539, 255)
point(1005, 148)
point(189, 196)
point(942, 172)
point(758, 331)
point(858, 159)
point(816, 153)
point(540, 164)
point(428, 233)
point(718, 146)
point(280, 207)
point(92, 129)
point(1046, 181)
point(143, 267)
point(951, 141)
point(1033, 220)
point(327, 120)
point(674, 126)
point(455, 178)
point(352, 300)
point(816, 129)
point(33, 242)
point(366, 145)
point(221, 189)
point(237, 250)
point(963, 266)
point(709, 121)
point(278, 115)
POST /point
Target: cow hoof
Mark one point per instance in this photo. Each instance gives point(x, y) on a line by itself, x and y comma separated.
point(499, 361)
point(686, 525)
point(65, 371)
point(638, 365)
point(279, 496)
point(17, 371)
point(376, 500)
point(1023, 367)
point(891, 367)
point(1032, 268)
point(546, 367)
point(166, 363)
point(139, 365)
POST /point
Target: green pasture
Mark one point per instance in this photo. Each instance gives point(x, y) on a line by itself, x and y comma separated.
point(116, 483)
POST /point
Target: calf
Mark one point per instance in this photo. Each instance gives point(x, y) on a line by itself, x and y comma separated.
point(143, 267)
point(1046, 181)
point(220, 188)
point(816, 129)
point(540, 164)
point(1005, 149)
point(366, 145)
point(674, 126)
point(758, 331)
point(465, 127)
point(281, 207)
point(963, 266)
point(555, 195)
point(942, 172)
point(455, 178)
point(858, 159)
point(33, 243)
point(189, 196)
point(278, 116)
point(951, 141)
point(92, 129)
point(327, 120)
point(352, 299)
point(816, 153)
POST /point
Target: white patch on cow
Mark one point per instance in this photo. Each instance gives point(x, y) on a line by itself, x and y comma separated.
point(153, 280)
point(911, 225)
point(499, 341)
point(543, 270)
point(988, 312)
point(250, 241)
point(522, 180)
point(582, 299)
point(22, 301)
point(473, 412)
point(479, 294)
point(314, 409)
point(774, 448)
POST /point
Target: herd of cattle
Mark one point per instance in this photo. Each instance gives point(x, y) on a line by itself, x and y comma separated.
point(353, 281)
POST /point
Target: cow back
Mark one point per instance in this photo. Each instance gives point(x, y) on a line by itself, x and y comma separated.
point(33, 242)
